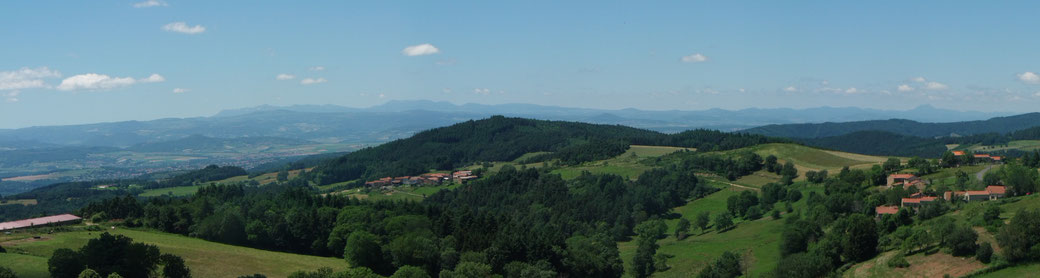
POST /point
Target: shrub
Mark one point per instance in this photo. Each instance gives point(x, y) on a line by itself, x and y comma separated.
point(898, 261)
point(984, 253)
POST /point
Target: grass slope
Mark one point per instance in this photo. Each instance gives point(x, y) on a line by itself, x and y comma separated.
point(757, 241)
point(627, 164)
point(206, 259)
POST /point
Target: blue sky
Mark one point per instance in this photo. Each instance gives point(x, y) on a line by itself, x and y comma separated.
point(90, 61)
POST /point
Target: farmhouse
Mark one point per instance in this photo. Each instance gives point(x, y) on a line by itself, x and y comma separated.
point(958, 153)
point(881, 210)
point(900, 179)
point(917, 202)
point(991, 192)
point(60, 219)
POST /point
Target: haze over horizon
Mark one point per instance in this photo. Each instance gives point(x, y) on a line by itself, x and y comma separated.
point(142, 60)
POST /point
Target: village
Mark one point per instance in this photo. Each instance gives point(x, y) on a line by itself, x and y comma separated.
point(917, 200)
point(428, 179)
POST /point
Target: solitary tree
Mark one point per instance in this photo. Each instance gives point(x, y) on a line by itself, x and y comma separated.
point(702, 220)
point(723, 221)
point(682, 229)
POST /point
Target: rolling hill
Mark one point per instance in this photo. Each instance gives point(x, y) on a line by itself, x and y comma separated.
point(901, 126)
point(506, 139)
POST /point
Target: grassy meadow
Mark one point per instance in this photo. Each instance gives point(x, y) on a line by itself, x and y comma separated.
point(28, 257)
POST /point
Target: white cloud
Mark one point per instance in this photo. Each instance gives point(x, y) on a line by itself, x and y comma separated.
point(150, 3)
point(317, 68)
point(419, 50)
point(852, 90)
point(381, 95)
point(741, 90)
point(694, 58)
point(26, 78)
point(11, 97)
point(446, 90)
point(284, 76)
point(935, 86)
point(152, 79)
point(790, 89)
point(309, 81)
point(919, 79)
point(904, 88)
point(482, 91)
point(94, 81)
point(181, 27)
point(1029, 77)
point(180, 90)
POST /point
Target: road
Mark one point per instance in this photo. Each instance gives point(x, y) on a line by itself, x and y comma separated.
point(982, 173)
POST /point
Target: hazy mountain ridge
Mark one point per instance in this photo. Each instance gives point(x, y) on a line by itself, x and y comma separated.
point(399, 119)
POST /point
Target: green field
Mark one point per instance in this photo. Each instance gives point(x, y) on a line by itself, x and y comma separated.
point(812, 159)
point(757, 241)
point(28, 257)
point(178, 191)
point(1029, 270)
point(626, 165)
point(1024, 145)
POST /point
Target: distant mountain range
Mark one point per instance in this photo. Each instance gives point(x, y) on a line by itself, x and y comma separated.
point(400, 119)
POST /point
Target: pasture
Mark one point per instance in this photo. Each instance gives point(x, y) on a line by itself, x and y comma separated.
point(28, 257)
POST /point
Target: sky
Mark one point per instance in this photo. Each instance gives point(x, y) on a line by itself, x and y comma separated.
point(73, 62)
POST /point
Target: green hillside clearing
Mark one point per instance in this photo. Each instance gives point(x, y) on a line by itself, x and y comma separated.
point(28, 257)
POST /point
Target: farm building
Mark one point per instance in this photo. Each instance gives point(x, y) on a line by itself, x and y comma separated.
point(918, 201)
point(881, 210)
point(900, 179)
point(60, 219)
point(991, 192)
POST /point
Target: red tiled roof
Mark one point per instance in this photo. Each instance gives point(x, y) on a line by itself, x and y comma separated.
point(997, 157)
point(958, 152)
point(38, 221)
point(976, 192)
point(901, 176)
point(996, 189)
point(981, 155)
point(886, 210)
point(919, 199)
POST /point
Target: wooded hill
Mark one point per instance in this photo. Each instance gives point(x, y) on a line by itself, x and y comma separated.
point(505, 139)
point(899, 126)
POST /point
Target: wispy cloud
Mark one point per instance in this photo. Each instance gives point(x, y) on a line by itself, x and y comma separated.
point(904, 88)
point(152, 79)
point(419, 50)
point(1029, 77)
point(694, 58)
point(935, 86)
point(180, 90)
point(94, 81)
point(790, 89)
point(181, 27)
point(317, 68)
point(11, 96)
point(284, 76)
point(482, 91)
point(26, 78)
point(150, 3)
point(309, 81)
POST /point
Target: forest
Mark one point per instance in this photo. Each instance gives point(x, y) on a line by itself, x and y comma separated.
point(516, 220)
point(505, 139)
